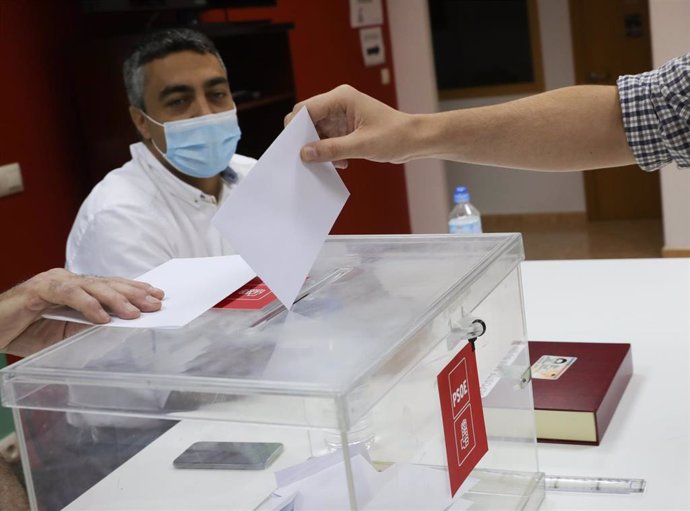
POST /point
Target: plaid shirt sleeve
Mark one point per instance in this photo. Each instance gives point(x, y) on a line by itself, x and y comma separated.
point(656, 114)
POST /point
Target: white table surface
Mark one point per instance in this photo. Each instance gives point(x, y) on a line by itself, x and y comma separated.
point(645, 302)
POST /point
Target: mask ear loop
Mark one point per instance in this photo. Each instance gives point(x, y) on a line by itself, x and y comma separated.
point(153, 142)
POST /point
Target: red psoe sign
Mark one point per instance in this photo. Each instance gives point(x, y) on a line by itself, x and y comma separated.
point(463, 416)
point(253, 295)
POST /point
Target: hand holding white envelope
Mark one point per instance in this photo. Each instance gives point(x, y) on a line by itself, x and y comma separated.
point(191, 285)
point(280, 214)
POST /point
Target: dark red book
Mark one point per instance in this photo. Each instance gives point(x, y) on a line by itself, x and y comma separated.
point(577, 387)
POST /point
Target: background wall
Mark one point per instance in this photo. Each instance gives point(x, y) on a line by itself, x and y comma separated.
point(6, 423)
point(326, 53)
point(671, 38)
point(415, 82)
point(37, 129)
point(500, 191)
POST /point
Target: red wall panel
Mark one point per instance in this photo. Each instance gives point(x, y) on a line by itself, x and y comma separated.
point(37, 129)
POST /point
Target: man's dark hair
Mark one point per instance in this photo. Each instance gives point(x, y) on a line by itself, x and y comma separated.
point(158, 45)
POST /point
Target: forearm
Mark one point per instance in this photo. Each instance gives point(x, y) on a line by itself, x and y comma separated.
point(575, 128)
point(15, 315)
point(40, 334)
point(12, 494)
point(22, 331)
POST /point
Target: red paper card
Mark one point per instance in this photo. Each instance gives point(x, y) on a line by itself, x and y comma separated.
point(253, 295)
point(463, 416)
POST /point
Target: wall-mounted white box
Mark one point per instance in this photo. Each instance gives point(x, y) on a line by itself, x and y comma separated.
point(10, 179)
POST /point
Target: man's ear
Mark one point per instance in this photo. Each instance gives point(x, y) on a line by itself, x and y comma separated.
point(139, 120)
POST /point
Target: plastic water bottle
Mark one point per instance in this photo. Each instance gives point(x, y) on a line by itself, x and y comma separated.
point(464, 218)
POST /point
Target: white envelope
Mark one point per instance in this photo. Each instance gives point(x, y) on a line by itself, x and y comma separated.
point(280, 214)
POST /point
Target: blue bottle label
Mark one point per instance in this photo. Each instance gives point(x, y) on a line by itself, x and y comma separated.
point(467, 228)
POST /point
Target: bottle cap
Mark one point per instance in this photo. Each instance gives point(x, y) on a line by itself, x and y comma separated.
point(461, 195)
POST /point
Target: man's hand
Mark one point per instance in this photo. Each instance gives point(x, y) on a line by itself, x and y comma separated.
point(92, 296)
point(354, 125)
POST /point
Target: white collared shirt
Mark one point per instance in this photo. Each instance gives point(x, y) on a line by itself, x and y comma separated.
point(140, 216)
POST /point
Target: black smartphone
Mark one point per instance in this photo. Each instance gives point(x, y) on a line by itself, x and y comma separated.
point(229, 455)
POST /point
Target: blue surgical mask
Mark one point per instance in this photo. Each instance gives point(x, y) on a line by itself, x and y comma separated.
point(201, 146)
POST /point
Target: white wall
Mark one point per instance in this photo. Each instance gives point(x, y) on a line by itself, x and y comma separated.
point(415, 84)
point(496, 190)
point(670, 38)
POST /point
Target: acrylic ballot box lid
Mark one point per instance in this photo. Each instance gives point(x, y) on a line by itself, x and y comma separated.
point(372, 308)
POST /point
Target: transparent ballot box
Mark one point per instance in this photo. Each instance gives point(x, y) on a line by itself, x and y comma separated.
point(346, 381)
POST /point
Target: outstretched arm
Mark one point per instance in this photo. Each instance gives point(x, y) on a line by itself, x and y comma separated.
point(574, 128)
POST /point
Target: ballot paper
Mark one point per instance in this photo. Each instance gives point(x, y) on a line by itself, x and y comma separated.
point(404, 486)
point(280, 214)
point(320, 484)
point(191, 286)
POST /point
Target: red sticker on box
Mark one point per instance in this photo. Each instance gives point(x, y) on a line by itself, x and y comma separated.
point(253, 295)
point(463, 416)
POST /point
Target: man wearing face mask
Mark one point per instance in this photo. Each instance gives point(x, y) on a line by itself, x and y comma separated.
point(160, 203)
